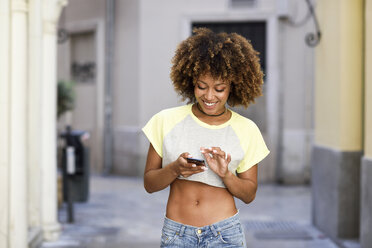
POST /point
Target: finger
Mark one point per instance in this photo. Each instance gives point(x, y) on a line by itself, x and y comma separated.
point(194, 167)
point(207, 152)
point(213, 151)
point(197, 168)
point(188, 166)
point(192, 172)
point(206, 149)
point(186, 155)
point(221, 159)
point(228, 158)
point(217, 156)
point(216, 148)
point(191, 166)
point(183, 158)
point(207, 156)
point(219, 153)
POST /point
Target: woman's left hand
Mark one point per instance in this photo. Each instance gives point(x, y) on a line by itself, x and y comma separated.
point(217, 160)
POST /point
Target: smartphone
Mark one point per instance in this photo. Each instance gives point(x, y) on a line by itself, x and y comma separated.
point(195, 161)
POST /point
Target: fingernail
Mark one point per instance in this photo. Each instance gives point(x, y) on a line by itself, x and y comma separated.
point(214, 151)
point(189, 156)
point(193, 165)
point(204, 168)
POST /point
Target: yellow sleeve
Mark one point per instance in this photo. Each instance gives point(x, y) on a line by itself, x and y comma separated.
point(253, 145)
point(161, 124)
point(154, 132)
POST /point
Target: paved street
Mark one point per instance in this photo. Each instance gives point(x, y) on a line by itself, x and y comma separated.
point(121, 214)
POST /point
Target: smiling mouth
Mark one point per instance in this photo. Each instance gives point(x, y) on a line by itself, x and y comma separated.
point(210, 104)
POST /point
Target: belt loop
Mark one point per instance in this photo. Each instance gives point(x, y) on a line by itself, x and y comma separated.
point(182, 230)
point(213, 229)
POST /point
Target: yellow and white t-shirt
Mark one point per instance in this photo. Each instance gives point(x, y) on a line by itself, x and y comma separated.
point(177, 130)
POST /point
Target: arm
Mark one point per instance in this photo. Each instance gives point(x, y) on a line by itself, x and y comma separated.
point(243, 186)
point(157, 178)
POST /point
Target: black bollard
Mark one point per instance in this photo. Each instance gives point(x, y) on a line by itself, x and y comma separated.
point(68, 153)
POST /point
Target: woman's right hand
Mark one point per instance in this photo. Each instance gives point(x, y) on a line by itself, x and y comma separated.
point(185, 169)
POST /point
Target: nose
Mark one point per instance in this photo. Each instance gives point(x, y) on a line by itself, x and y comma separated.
point(209, 95)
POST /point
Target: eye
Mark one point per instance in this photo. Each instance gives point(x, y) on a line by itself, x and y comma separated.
point(220, 90)
point(199, 87)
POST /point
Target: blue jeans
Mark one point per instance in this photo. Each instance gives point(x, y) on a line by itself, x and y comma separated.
point(225, 233)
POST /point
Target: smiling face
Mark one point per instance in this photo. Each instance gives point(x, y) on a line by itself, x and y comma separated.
point(211, 94)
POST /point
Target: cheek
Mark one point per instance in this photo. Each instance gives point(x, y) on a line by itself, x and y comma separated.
point(225, 95)
point(197, 92)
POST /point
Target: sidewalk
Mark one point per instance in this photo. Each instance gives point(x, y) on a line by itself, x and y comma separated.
point(121, 214)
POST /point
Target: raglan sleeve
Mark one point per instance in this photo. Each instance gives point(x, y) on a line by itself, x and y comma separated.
point(153, 130)
point(255, 148)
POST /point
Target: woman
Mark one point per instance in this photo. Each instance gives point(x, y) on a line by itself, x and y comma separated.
point(209, 70)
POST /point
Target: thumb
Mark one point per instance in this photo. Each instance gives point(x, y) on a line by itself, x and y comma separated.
point(228, 158)
point(185, 155)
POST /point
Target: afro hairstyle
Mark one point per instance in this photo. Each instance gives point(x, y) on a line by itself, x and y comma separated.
point(228, 57)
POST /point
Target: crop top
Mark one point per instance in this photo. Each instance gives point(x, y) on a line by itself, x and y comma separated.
point(177, 130)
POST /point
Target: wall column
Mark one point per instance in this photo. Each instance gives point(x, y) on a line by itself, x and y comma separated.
point(18, 125)
point(51, 12)
point(34, 122)
point(4, 120)
point(338, 118)
point(366, 171)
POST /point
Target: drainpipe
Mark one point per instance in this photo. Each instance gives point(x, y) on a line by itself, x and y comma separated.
point(108, 126)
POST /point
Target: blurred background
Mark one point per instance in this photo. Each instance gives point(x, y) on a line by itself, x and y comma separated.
point(89, 74)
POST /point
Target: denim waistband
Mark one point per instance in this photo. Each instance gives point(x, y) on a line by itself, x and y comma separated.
point(198, 231)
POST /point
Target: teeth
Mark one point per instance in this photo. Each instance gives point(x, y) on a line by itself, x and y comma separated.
point(209, 104)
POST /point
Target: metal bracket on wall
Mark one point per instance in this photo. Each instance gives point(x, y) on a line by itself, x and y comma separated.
point(63, 35)
point(313, 39)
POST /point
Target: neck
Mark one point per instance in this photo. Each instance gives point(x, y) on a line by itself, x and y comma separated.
point(200, 109)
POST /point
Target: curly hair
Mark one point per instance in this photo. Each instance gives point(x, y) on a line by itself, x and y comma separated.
point(228, 57)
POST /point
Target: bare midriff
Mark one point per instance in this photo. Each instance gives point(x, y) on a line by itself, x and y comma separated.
point(198, 204)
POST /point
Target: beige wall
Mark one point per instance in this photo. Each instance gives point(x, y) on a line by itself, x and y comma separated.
point(296, 61)
point(338, 95)
point(297, 68)
point(368, 81)
point(84, 20)
point(126, 60)
point(78, 10)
